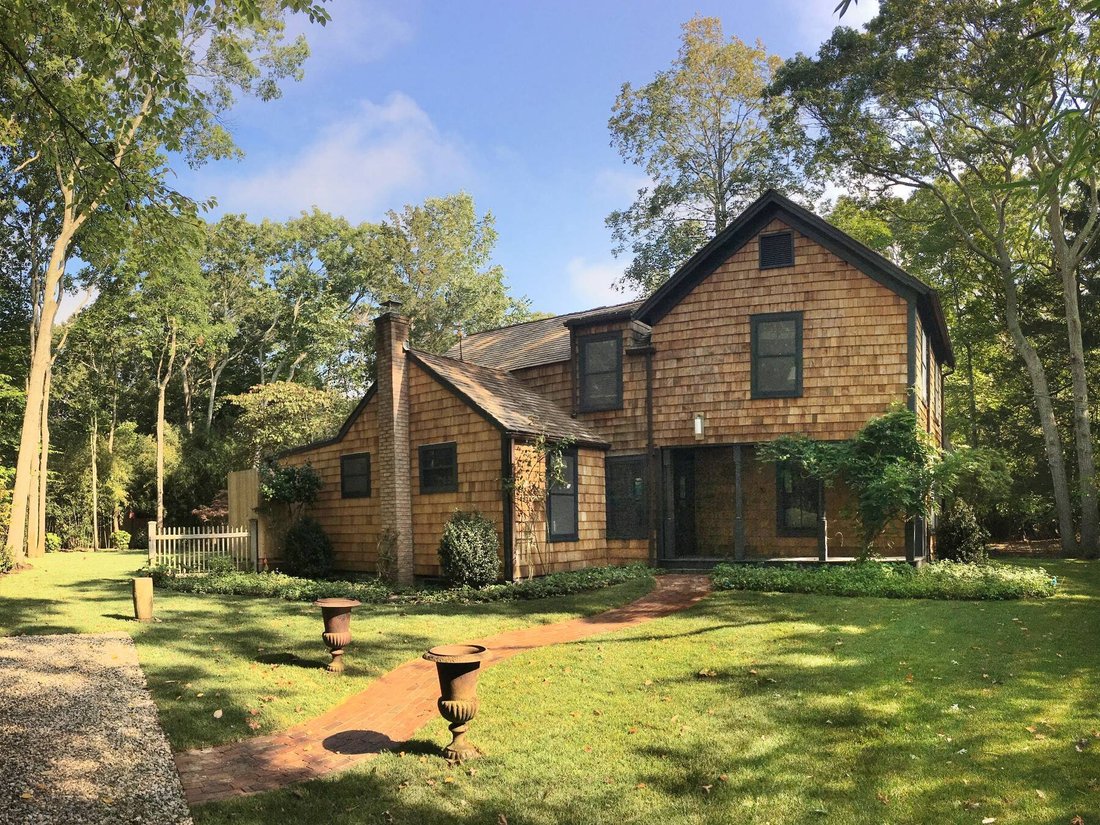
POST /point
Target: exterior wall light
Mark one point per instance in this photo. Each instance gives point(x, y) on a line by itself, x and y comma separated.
point(700, 424)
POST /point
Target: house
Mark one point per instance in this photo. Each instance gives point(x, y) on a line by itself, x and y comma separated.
point(781, 324)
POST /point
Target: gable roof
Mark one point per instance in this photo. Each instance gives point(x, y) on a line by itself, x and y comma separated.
point(760, 213)
point(533, 343)
point(506, 401)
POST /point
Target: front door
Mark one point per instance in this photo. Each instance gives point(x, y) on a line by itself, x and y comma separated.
point(683, 504)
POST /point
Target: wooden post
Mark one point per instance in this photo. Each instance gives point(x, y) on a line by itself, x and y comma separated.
point(738, 508)
point(254, 543)
point(143, 598)
point(822, 525)
point(152, 543)
point(910, 541)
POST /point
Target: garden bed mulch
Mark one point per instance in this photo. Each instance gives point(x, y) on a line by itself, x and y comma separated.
point(80, 740)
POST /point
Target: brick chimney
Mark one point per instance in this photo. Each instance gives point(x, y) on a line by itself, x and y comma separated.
point(391, 339)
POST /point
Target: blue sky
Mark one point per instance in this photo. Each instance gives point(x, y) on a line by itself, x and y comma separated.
point(508, 101)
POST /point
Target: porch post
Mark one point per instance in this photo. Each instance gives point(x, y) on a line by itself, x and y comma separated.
point(911, 541)
point(822, 525)
point(738, 508)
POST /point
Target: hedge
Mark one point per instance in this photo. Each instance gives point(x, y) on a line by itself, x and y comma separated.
point(988, 581)
point(375, 591)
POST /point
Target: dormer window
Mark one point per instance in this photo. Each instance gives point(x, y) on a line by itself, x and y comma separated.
point(776, 250)
point(600, 371)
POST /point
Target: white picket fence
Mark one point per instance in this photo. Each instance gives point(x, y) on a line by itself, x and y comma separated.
point(190, 549)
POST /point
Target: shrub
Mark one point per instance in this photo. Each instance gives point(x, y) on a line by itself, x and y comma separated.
point(375, 591)
point(53, 543)
point(220, 564)
point(121, 540)
point(942, 580)
point(959, 537)
point(308, 550)
point(469, 553)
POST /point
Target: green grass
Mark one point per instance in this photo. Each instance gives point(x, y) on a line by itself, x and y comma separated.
point(988, 581)
point(238, 654)
point(765, 708)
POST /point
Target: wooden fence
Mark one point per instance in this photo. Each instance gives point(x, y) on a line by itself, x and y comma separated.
point(190, 549)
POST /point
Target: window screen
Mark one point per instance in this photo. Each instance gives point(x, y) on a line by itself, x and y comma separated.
point(777, 355)
point(626, 497)
point(561, 499)
point(796, 501)
point(601, 371)
point(355, 475)
point(439, 468)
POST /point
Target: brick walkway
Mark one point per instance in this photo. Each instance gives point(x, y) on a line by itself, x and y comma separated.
point(393, 708)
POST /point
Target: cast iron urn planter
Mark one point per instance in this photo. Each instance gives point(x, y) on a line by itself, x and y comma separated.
point(457, 667)
point(337, 635)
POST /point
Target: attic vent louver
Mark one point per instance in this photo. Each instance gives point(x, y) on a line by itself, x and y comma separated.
point(776, 250)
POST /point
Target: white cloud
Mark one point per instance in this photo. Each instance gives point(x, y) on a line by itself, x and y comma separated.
point(376, 158)
point(592, 282)
point(815, 20)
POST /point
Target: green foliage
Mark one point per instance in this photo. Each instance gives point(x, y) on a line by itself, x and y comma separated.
point(469, 552)
point(942, 580)
point(292, 486)
point(307, 551)
point(959, 537)
point(375, 591)
point(219, 565)
point(710, 140)
point(120, 539)
point(888, 465)
point(280, 415)
point(53, 543)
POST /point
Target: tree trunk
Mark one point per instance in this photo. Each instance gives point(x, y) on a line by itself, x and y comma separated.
point(38, 546)
point(31, 432)
point(162, 390)
point(94, 453)
point(1082, 423)
point(215, 376)
point(1052, 441)
point(188, 394)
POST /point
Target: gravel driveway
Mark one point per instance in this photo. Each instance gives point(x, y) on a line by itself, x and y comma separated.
point(79, 737)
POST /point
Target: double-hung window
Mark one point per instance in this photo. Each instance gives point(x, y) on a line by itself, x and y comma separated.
point(439, 468)
point(355, 475)
point(600, 371)
point(561, 496)
point(776, 355)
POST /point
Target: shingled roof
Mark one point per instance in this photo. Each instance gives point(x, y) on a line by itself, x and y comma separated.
point(533, 343)
point(506, 400)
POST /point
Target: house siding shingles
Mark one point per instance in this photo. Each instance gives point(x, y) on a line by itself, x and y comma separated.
point(351, 523)
point(436, 416)
point(854, 350)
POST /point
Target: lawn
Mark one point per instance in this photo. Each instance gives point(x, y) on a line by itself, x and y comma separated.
point(258, 661)
point(765, 708)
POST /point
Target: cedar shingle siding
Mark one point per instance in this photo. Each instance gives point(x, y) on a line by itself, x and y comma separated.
point(870, 336)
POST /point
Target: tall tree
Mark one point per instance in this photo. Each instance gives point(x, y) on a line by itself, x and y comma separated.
point(990, 109)
point(90, 95)
point(703, 133)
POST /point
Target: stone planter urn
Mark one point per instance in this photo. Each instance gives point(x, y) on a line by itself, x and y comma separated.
point(337, 635)
point(457, 667)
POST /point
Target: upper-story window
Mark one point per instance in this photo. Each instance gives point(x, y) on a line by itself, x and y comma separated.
point(776, 355)
point(355, 475)
point(600, 371)
point(439, 468)
point(776, 249)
